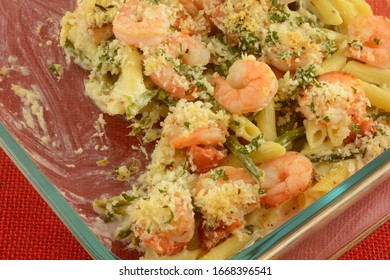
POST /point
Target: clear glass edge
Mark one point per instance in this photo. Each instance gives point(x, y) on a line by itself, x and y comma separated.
point(360, 237)
point(268, 242)
point(98, 251)
point(53, 197)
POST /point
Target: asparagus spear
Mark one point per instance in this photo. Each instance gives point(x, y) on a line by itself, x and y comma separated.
point(241, 152)
point(287, 139)
point(334, 157)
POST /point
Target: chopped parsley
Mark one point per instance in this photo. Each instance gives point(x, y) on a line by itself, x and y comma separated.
point(377, 41)
point(330, 46)
point(109, 217)
point(57, 69)
point(272, 38)
point(249, 43)
point(129, 197)
point(171, 213)
point(278, 12)
point(355, 128)
point(261, 191)
point(355, 44)
point(253, 145)
point(219, 173)
point(306, 76)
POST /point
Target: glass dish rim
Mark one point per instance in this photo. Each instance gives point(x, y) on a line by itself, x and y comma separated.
point(97, 250)
point(53, 197)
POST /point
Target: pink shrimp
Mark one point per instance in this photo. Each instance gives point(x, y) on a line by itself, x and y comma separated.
point(294, 47)
point(374, 34)
point(202, 136)
point(224, 195)
point(195, 127)
point(164, 220)
point(140, 23)
point(205, 158)
point(249, 86)
point(338, 101)
point(193, 52)
point(285, 177)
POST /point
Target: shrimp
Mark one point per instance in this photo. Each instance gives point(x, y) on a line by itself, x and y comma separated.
point(195, 127)
point(164, 220)
point(202, 136)
point(194, 17)
point(204, 147)
point(140, 23)
point(374, 34)
point(285, 177)
point(249, 86)
point(194, 123)
point(291, 46)
point(224, 195)
point(235, 18)
point(339, 101)
point(205, 158)
point(192, 52)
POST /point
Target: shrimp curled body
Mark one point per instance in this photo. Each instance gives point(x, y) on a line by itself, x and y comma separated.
point(374, 34)
point(224, 195)
point(175, 210)
point(285, 177)
point(249, 86)
point(140, 23)
point(338, 103)
point(192, 52)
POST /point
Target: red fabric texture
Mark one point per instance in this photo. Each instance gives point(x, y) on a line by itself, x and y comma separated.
point(29, 229)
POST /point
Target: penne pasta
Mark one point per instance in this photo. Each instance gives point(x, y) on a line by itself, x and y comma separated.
point(267, 151)
point(325, 11)
point(335, 62)
point(378, 97)
point(324, 146)
point(315, 133)
point(337, 134)
point(338, 37)
point(347, 12)
point(323, 186)
point(266, 122)
point(244, 128)
point(367, 73)
point(362, 7)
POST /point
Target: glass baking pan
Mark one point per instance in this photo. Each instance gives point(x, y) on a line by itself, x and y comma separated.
point(56, 135)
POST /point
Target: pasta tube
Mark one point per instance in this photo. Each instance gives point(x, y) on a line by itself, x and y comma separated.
point(367, 73)
point(335, 62)
point(362, 7)
point(266, 122)
point(347, 12)
point(315, 133)
point(378, 97)
point(268, 150)
point(323, 186)
point(325, 12)
point(244, 128)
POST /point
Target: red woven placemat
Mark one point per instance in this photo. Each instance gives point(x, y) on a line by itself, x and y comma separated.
point(29, 229)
